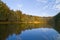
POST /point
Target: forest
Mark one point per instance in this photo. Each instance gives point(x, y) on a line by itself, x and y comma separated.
point(7, 15)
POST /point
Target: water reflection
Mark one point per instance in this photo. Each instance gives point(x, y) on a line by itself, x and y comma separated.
point(15, 29)
point(35, 34)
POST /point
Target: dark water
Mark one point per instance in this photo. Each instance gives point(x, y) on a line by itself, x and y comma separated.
point(35, 34)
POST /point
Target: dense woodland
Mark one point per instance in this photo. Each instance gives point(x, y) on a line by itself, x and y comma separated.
point(8, 15)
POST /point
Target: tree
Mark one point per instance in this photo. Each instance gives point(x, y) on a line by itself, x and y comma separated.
point(18, 14)
point(4, 11)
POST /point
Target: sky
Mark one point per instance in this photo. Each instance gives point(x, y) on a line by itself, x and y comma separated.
point(35, 7)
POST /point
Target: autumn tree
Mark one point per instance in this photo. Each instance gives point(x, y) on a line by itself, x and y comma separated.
point(4, 11)
point(8, 15)
point(18, 14)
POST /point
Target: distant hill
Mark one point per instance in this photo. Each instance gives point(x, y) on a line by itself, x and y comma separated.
point(57, 22)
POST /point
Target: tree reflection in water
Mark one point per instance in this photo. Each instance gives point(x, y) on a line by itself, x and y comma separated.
point(35, 34)
point(9, 29)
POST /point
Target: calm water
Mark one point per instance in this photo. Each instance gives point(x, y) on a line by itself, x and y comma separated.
point(28, 32)
point(35, 34)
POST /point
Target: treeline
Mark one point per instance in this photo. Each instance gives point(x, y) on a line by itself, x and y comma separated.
point(7, 15)
point(17, 16)
point(57, 22)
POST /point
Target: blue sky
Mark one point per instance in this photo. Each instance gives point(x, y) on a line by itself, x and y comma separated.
point(35, 7)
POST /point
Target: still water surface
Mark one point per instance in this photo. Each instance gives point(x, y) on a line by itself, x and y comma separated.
point(35, 34)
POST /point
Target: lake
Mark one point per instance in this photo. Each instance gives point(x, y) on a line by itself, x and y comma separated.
point(35, 34)
point(28, 32)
